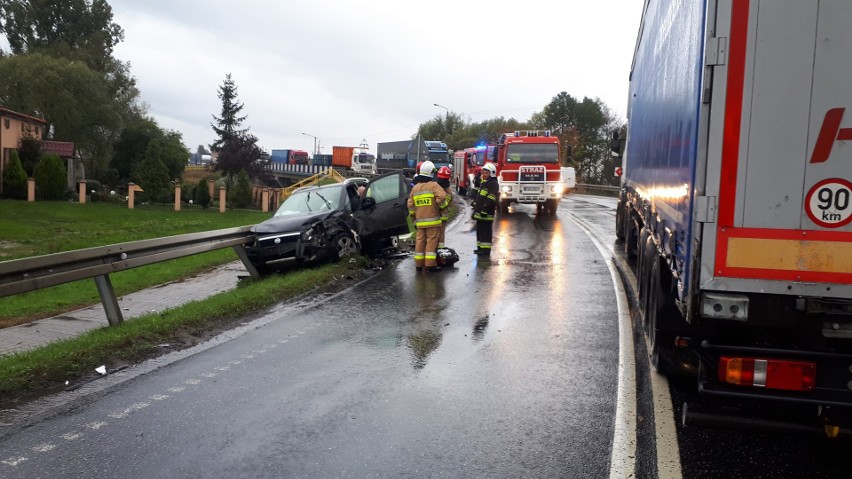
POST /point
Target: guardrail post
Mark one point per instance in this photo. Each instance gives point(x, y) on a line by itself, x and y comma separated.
point(241, 253)
point(108, 299)
point(82, 188)
point(222, 199)
point(177, 196)
point(131, 195)
point(30, 189)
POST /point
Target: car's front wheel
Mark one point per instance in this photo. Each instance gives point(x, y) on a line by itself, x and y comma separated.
point(342, 245)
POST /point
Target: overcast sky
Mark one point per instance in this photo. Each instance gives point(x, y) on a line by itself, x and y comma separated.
point(347, 71)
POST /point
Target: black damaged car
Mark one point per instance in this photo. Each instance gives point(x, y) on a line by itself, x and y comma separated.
point(331, 221)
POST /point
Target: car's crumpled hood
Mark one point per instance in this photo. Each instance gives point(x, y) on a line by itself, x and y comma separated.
point(290, 224)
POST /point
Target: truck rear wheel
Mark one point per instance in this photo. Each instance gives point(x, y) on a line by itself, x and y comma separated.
point(662, 324)
point(619, 220)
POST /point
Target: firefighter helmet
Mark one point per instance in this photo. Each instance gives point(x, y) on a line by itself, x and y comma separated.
point(444, 172)
point(426, 168)
point(417, 168)
point(491, 169)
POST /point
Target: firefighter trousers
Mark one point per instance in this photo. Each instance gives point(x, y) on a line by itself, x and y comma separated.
point(484, 234)
point(426, 246)
point(443, 233)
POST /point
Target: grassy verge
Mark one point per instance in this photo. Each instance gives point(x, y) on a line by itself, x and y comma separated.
point(48, 368)
point(33, 229)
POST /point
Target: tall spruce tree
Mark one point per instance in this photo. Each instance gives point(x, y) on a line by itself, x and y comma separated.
point(227, 126)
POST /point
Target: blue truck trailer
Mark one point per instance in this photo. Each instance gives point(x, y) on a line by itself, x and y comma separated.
point(736, 206)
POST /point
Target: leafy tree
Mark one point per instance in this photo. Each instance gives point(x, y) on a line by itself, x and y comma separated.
point(240, 194)
point(227, 126)
point(74, 29)
point(29, 151)
point(201, 150)
point(132, 144)
point(50, 178)
point(62, 69)
point(202, 194)
point(241, 153)
point(152, 175)
point(14, 178)
point(174, 154)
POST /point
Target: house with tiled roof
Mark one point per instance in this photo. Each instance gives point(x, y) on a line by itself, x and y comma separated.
point(16, 126)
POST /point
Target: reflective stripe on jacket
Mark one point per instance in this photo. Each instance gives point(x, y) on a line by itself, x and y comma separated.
point(426, 202)
point(486, 201)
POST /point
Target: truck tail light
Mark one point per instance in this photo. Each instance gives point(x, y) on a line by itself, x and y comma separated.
point(768, 373)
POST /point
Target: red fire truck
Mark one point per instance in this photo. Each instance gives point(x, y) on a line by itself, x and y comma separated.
point(467, 164)
point(528, 170)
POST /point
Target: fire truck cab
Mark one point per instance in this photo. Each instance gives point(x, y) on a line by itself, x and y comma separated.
point(528, 170)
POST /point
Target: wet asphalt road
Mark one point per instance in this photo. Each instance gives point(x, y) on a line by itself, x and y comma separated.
point(500, 368)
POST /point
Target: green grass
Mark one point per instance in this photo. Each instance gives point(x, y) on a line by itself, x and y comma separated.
point(50, 366)
point(38, 228)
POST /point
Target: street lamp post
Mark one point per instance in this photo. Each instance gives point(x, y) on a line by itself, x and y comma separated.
point(315, 143)
point(448, 117)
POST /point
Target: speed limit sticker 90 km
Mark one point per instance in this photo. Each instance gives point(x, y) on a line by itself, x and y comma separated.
point(829, 203)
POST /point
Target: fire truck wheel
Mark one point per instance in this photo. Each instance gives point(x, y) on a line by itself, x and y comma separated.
point(551, 207)
point(504, 206)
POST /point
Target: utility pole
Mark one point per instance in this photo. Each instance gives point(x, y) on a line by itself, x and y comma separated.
point(447, 121)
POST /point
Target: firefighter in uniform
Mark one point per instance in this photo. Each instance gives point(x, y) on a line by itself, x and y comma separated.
point(426, 203)
point(483, 209)
point(443, 181)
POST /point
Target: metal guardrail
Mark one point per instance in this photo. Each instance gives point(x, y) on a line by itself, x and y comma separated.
point(605, 189)
point(28, 274)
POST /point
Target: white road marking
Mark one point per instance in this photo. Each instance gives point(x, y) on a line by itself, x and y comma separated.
point(96, 425)
point(668, 452)
point(159, 397)
point(14, 461)
point(622, 462)
point(177, 390)
point(209, 375)
point(72, 436)
point(235, 362)
point(127, 411)
point(192, 381)
point(44, 447)
point(282, 341)
point(223, 368)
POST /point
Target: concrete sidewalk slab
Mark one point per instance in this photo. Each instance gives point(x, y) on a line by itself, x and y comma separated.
point(71, 324)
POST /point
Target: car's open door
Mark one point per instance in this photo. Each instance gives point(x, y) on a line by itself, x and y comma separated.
point(384, 211)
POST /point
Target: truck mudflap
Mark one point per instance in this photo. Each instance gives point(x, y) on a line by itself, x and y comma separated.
point(782, 376)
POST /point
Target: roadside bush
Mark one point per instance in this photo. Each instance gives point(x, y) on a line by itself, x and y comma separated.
point(97, 187)
point(201, 194)
point(187, 190)
point(240, 196)
point(15, 178)
point(50, 177)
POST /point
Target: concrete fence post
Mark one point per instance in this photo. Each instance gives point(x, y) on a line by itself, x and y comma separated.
point(131, 195)
point(30, 189)
point(211, 185)
point(222, 199)
point(177, 196)
point(82, 192)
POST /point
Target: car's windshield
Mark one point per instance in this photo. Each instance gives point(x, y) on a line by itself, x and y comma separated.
point(532, 153)
point(311, 201)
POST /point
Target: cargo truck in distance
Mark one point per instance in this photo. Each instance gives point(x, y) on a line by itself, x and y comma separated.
point(355, 159)
point(736, 204)
point(290, 157)
point(404, 155)
point(528, 170)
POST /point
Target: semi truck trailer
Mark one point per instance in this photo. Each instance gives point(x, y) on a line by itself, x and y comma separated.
point(736, 204)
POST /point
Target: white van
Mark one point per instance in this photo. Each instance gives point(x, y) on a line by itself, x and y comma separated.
point(569, 179)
